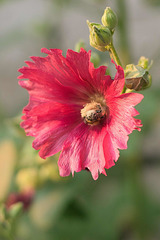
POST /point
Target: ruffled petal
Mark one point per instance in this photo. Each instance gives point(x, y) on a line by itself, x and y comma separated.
point(52, 140)
point(50, 124)
point(131, 99)
point(83, 149)
point(121, 121)
point(111, 152)
point(100, 80)
point(95, 77)
point(80, 63)
point(40, 94)
point(68, 72)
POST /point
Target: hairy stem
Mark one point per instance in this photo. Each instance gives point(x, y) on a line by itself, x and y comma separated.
point(115, 57)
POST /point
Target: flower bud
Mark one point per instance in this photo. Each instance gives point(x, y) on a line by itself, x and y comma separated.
point(16, 209)
point(109, 19)
point(143, 62)
point(100, 36)
point(25, 198)
point(137, 78)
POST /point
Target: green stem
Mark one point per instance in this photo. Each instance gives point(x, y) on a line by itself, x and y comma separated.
point(115, 57)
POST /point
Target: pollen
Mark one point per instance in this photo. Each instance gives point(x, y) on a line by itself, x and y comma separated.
point(93, 113)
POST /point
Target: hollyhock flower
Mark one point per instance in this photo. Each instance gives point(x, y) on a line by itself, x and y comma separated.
point(78, 110)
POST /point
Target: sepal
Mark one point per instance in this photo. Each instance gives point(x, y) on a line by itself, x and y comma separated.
point(100, 36)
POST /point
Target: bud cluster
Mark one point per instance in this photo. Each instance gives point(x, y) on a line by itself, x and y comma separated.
point(101, 35)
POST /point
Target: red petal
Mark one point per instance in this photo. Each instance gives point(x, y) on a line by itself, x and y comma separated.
point(83, 149)
point(121, 121)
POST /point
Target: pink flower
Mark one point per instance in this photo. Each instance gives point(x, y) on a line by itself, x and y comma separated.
point(78, 110)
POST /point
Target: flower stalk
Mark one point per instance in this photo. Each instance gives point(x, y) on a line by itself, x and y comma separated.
point(115, 57)
point(113, 54)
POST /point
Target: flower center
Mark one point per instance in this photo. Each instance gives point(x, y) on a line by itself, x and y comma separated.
point(93, 113)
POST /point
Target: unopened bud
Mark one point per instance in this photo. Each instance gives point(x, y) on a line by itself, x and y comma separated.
point(137, 78)
point(16, 210)
point(109, 19)
point(144, 63)
point(100, 36)
point(25, 198)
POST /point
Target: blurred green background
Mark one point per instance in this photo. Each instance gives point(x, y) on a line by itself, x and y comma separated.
point(125, 205)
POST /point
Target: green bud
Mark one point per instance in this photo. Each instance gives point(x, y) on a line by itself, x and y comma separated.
point(137, 78)
point(100, 36)
point(15, 210)
point(144, 63)
point(109, 19)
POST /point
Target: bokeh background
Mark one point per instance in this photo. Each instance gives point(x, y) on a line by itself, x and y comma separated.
point(125, 205)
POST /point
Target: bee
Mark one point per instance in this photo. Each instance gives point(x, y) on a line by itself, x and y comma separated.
point(93, 113)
